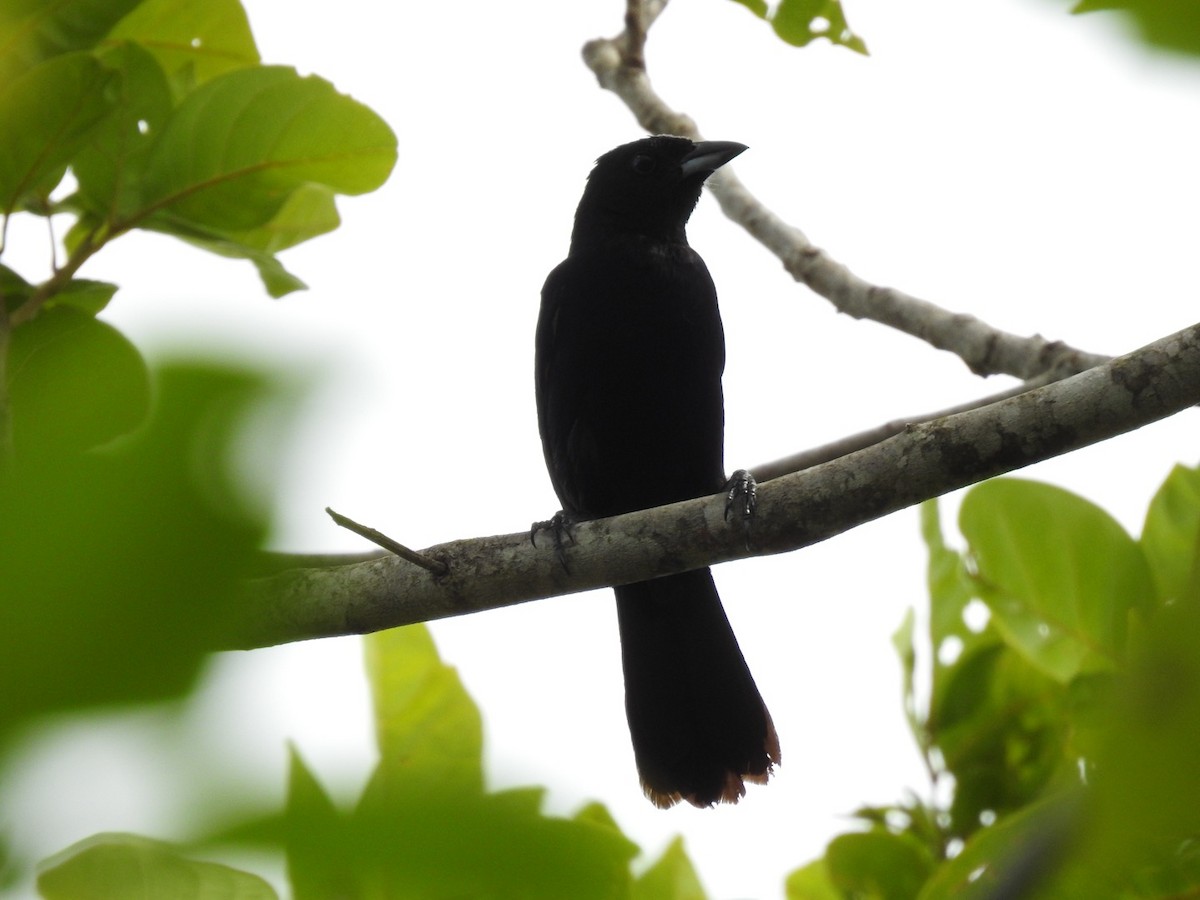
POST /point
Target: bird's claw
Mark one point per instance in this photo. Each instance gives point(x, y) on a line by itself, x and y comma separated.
point(741, 499)
point(559, 525)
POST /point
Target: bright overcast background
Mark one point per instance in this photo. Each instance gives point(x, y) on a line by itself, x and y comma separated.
point(999, 157)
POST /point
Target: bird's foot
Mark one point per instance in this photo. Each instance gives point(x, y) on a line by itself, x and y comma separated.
point(559, 526)
point(741, 500)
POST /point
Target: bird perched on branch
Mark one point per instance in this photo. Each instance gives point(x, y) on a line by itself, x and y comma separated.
point(629, 356)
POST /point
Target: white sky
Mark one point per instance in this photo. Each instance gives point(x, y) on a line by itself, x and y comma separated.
point(999, 158)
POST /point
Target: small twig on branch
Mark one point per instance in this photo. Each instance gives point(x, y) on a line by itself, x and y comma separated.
point(434, 566)
point(794, 511)
point(986, 350)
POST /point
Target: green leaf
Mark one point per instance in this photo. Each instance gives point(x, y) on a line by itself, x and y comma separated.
point(1013, 857)
point(453, 844)
point(424, 827)
point(316, 836)
point(597, 814)
point(878, 864)
point(758, 7)
point(194, 42)
point(48, 113)
point(672, 877)
point(950, 595)
point(800, 22)
point(1167, 24)
point(14, 290)
point(812, 882)
point(428, 728)
point(32, 31)
point(120, 566)
point(1171, 535)
point(1060, 576)
point(130, 867)
point(109, 166)
point(1001, 729)
point(75, 382)
point(248, 165)
point(277, 280)
point(84, 295)
point(309, 211)
point(902, 641)
point(234, 150)
point(995, 722)
point(1148, 773)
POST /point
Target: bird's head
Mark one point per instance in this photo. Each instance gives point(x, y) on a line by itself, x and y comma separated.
point(650, 186)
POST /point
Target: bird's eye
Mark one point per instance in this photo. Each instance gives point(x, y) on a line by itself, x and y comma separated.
point(643, 164)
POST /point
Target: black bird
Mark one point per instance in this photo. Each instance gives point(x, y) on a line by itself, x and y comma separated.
point(630, 352)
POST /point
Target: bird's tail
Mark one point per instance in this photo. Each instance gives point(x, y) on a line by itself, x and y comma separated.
point(699, 727)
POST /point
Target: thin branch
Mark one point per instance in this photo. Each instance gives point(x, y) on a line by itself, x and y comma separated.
point(434, 566)
point(986, 350)
point(814, 456)
point(58, 281)
point(794, 511)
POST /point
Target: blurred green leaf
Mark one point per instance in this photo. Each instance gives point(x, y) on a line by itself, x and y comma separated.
point(812, 882)
point(1015, 857)
point(799, 22)
point(424, 826)
point(1168, 24)
point(452, 843)
point(996, 722)
point(84, 295)
point(878, 864)
point(194, 42)
point(1148, 772)
point(32, 31)
point(119, 566)
point(316, 835)
point(1001, 730)
point(758, 7)
point(902, 642)
point(1171, 535)
point(1060, 576)
point(48, 112)
point(951, 640)
point(672, 877)
point(108, 866)
point(428, 728)
point(74, 383)
point(597, 814)
point(14, 290)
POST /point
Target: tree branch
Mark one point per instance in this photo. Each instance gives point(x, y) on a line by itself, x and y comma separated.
point(814, 456)
point(619, 65)
point(794, 511)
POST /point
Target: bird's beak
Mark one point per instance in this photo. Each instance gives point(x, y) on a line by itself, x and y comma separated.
point(708, 156)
